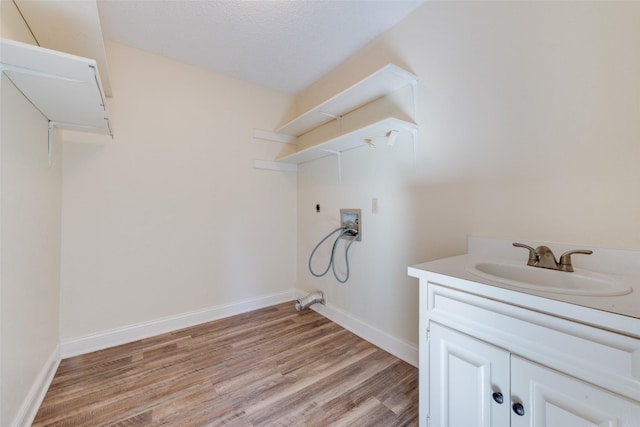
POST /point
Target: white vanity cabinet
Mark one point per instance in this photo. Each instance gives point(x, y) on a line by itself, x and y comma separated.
point(554, 399)
point(468, 379)
point(474, 383)
point(489, 358)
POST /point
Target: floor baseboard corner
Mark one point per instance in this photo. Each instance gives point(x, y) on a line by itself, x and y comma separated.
point(34, 398)
point(101, 340)
point(398, 347)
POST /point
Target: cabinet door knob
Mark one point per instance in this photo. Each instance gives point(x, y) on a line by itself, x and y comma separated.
point(497, 396)
point(518, 409)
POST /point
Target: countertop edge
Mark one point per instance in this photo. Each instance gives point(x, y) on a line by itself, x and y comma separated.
point(452, 271)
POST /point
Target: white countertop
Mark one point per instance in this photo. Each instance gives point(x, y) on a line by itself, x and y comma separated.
point(620, 313)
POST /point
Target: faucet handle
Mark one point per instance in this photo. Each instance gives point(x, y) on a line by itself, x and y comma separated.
point(533, 256)
point(565, 259)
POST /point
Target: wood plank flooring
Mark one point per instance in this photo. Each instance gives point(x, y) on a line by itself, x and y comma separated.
point(269, 367)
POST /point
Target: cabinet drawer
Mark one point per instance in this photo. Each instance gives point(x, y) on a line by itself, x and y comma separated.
point(601, 357)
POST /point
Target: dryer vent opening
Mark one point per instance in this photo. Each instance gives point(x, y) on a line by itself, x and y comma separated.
point(309, 300)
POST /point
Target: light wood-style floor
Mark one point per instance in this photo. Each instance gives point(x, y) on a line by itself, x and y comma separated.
point(270, 367)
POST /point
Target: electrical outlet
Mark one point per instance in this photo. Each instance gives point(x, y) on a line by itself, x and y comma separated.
point(351, 218)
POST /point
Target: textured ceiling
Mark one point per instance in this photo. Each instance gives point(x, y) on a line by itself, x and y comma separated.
point(284, 45)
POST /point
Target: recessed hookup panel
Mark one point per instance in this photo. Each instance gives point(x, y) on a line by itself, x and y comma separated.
point(351, 219)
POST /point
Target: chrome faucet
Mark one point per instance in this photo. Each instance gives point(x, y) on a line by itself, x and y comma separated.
point(543, 257)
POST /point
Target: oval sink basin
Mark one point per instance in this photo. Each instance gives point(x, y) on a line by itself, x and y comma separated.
point(580, 282)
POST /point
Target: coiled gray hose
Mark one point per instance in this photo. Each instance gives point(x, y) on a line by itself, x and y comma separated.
point(332, 265)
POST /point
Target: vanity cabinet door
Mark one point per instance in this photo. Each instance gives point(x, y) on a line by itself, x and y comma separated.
point(468, 381)
point(551, 399)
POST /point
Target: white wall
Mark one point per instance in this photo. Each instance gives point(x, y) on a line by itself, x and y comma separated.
point(30, 256)
point(529, 116)
point(170, 217)
point(13, 26)
point(29, 244)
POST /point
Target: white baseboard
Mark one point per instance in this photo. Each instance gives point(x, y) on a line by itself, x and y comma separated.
point(32, 402)
point(87, 344)
point(81, 345)
point(399, 348)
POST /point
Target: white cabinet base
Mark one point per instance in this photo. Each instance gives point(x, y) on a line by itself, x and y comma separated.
point(550, 370)
point(553, 399)
point(464, 374)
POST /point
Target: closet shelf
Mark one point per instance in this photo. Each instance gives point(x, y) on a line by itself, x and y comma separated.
point(349, 140)
point(386, 80)
point(367, 101)
point(65, 88)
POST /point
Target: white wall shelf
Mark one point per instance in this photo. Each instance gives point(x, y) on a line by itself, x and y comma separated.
point(65, 88)
point(354, 104)
point(349, 140)
point(77, 30)
point(386, 80)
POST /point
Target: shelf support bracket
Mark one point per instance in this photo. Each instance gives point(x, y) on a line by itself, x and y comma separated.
point(333, 116)
point(50, 141)
point(264, 135)
point(338, 155)
point(337, 118)
point(109, 127)
point(274, 166)
point(103, 103)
